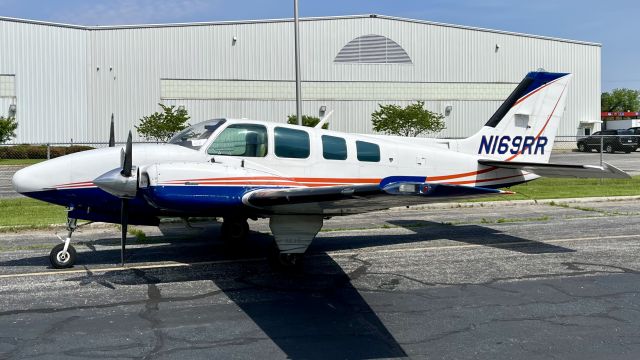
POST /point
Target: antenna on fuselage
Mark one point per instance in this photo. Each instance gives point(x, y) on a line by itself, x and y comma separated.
point(112, 136)
point(323, 120)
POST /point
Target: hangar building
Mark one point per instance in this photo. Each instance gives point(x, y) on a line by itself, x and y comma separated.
point(64, 81)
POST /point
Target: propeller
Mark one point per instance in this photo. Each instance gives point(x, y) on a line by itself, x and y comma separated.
point(112, 136)
point(124, 202)
point(123, 183)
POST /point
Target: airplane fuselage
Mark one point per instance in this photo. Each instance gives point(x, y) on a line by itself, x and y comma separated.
point(211, 180)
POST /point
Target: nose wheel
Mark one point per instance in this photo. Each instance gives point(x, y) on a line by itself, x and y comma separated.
point(63, 256)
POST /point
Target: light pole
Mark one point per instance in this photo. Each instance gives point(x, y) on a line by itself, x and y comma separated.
point(297, 60)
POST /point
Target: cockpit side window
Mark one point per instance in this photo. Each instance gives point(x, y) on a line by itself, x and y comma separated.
point(196, 135)
point(241, 140)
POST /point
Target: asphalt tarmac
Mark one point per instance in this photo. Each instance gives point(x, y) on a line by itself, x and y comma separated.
point(490, 282)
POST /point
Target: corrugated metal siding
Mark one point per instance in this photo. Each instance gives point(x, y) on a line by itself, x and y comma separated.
point(48, 63)
point(69, 81)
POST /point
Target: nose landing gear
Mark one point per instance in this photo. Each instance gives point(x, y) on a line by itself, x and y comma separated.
point(63, 255)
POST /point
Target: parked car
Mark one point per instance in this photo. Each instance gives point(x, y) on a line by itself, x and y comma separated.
point(611, 140)
point(636, 132)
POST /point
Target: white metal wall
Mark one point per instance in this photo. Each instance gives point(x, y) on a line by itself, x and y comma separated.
point(69, 80)
point(50, 82)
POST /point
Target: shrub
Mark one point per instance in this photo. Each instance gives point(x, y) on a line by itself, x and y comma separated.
point(161, 126)
point(8, 126)
point(25, 151)
point(310, 121)
point(412, 120)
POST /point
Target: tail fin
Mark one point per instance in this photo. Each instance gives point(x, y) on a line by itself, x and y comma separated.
point(524, 127)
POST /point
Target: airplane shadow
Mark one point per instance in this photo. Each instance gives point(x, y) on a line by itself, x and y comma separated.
point(316, 314)
point(424, 231)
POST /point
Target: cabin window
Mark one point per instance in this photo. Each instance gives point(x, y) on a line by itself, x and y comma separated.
point(367, 151)
point(334, 148)
point(241, 140)
point(291, 143)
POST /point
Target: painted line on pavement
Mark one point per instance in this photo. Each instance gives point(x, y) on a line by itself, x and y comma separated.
point(337, 253)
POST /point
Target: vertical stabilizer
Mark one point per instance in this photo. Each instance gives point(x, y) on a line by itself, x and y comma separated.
point(524, 127)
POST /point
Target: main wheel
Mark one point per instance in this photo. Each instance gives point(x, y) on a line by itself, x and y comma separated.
point(62, 259)
point(285, 261)
point(234, 230)
point(609, 149)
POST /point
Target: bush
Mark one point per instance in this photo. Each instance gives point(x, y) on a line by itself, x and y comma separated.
point(38, 151)
point(8, 128)
point(161, 126)
point(412, 120)
point(307, 120)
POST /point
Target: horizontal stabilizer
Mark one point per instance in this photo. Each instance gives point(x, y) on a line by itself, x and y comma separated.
point(562, 170)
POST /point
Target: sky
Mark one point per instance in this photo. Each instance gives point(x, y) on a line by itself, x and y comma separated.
point(611, 23)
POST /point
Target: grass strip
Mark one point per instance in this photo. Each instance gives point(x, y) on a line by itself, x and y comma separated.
point(30, 212)
point(547, 188)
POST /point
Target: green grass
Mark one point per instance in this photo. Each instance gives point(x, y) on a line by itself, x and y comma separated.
point(20, 161)
point(139, 234)
point(546, 188)
point(30, 212)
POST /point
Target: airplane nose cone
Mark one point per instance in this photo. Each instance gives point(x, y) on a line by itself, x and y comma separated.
point(26, 180)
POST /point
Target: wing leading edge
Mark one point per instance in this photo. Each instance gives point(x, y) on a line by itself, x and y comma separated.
point(561, 170)
point(352, 199)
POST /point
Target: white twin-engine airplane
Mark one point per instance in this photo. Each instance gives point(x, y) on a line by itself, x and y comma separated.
point(297, 176)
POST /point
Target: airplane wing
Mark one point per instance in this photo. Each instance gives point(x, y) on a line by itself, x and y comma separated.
point(561, 170)
point(352, 199)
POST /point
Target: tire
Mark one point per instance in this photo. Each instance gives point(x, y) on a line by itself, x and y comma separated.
point(609, 149)
point(290, 263)
point(234, 230)
point(62, 261)
point(582, 147)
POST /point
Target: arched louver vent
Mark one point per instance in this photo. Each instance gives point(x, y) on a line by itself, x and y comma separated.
point(372, 49)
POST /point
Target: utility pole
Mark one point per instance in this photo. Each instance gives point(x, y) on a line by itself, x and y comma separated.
point(297, 56)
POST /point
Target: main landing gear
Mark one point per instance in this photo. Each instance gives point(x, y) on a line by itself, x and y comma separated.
point(293, 235)
point(63, 255)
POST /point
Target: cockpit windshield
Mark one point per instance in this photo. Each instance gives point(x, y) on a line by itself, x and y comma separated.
point(196, 135)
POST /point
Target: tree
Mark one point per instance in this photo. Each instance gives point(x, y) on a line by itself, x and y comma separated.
point(411, 120)
point(8, 126)
point(307, 120)
point(620, 100)
point(161, 126)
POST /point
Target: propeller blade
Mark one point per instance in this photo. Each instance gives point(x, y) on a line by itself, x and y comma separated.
point(124, 222)
point(112, 136)
point(126, 165)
